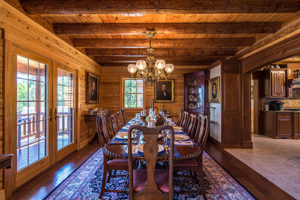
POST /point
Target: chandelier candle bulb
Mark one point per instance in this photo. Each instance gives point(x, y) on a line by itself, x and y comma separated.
point(160, 64)
point(132, 68)
point(141, 64)
point(169, 68)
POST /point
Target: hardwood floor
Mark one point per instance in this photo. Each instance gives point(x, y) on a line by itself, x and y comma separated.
point(42, 185)
point(257, 185)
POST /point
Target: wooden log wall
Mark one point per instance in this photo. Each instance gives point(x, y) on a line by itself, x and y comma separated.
point(23, 32)
point(111, 90)
point(1, 99)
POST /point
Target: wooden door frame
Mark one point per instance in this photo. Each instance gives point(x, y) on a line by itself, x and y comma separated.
point(58, 155)
point(14, 179)
point(284, 49)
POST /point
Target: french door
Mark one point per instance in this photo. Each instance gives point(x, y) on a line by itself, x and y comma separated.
point(64, 110)
point(44, 98)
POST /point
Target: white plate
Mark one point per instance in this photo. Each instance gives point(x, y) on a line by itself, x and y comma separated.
point(180, 137)
point(139, 148)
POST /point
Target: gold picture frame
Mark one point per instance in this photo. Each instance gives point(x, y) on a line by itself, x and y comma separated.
point(92, 88)
point(164, 91)
point(214, 90)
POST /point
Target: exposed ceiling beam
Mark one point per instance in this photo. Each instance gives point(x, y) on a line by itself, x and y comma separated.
point(161, 52)
point(164, 43)
point(155, 7)
point(168, 59)
point(176, 63)
point(166, 28)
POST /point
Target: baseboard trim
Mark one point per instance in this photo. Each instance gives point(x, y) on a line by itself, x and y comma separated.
point(247, 144)
point(85, 142)
point(2, 194)
point(213, 140)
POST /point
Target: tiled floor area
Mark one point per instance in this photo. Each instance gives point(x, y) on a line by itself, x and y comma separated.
point(278, 160)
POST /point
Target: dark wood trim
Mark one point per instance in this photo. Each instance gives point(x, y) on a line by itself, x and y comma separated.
point(214, 141)
point(141, 52)
point(164, 43)
point(166, 28)
point(284, 49)
point(161, 7)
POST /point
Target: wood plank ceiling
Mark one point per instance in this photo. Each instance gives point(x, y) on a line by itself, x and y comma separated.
point(196, 32)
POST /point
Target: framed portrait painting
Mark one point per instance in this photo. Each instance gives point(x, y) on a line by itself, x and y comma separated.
point(164, 91)
point(92, 96)
point(214, 90)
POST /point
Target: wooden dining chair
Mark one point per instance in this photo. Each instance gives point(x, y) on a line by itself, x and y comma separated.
point(180, 117)
point(191, 126)
point(151, 183)
point(201, 125)
point(196, 164)
point(120, 120)
point(184, 120)
point(114, 122)
point(124, 118)
point(109, 165)
point(187, 122)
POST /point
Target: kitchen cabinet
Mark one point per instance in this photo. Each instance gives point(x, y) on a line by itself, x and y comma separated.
point(296, 125)
point(279, 124)
point(284, 124)
point(272, 83)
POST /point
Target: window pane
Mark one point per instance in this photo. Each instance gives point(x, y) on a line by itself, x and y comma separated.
point(31, 111)
point(33, 69)
point(133, 93)
point(33, 94)
point(65, 105)
point(22, 67)
point(22, 90)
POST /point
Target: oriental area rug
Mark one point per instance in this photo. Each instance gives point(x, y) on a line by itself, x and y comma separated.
point(85, 183)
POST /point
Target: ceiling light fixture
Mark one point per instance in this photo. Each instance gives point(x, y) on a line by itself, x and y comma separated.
point(150, 70)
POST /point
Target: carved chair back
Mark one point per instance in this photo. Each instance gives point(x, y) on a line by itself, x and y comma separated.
point(99, 131)
point(150, 150)
point(201, 126)
point(114, 122)
point(185, 119)
point(124, 118)
point(120, 120)
point(105, 131)
point(187, 122)
point(180, 117)
point(191, 125)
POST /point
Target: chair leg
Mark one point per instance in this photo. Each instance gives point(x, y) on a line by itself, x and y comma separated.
point(103, 182)
point(201, 176)
point(109, 175)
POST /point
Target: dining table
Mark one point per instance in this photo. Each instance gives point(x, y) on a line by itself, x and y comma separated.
point(184, 147)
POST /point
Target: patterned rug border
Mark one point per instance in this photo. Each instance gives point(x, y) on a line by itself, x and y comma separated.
point(231, 175)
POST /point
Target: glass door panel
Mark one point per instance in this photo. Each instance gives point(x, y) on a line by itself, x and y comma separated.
point(65, 108)
point(32, 107)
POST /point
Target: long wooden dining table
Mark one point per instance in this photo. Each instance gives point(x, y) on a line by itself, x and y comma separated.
point(186, 149)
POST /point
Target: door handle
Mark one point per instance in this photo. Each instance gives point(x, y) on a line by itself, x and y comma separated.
point(51, 114)
point(55, 114)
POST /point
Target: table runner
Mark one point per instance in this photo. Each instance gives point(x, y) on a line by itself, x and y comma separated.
point(126, 127)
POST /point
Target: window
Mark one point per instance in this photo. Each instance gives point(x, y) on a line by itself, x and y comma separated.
point(133, 93)
point(32, 103)
point(65, 107)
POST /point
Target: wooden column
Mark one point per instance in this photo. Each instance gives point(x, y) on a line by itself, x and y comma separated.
point(231, 135)
point(246, 110)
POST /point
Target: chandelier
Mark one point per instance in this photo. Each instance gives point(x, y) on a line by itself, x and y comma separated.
point(150, 70)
